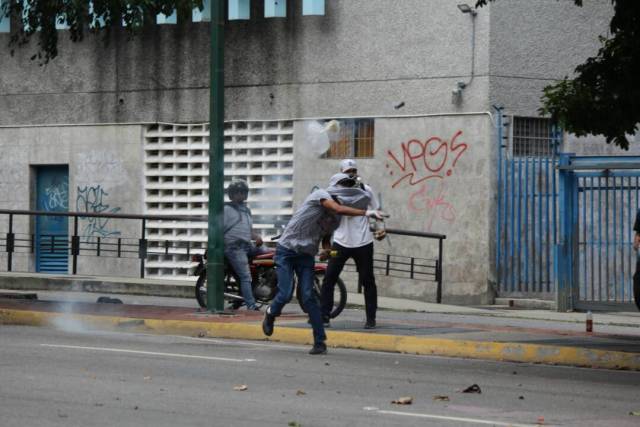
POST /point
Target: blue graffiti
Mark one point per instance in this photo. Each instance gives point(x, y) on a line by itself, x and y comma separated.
point(56, 196)
point(91, 199)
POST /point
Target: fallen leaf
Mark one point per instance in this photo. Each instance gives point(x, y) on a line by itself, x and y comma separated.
point(241, 387)
point(441, 397)
point(635, 413)
point(474, 388)
point(405, 400)
point(300, 393)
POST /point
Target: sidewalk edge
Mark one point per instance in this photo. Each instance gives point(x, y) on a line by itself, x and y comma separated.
point(486, 350)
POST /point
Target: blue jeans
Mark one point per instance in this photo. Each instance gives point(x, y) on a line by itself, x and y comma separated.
point(288, 261)
point(237, 256)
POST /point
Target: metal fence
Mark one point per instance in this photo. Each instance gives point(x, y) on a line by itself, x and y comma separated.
point(20, 241)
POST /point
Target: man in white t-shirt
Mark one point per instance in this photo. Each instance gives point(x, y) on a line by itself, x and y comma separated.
point(353, 239)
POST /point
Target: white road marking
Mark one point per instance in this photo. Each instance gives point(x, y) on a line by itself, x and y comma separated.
point(459, 419)
point(152, 353)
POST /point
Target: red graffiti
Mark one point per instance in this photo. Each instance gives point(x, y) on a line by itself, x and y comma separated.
point(433, 159)
point(432, 201)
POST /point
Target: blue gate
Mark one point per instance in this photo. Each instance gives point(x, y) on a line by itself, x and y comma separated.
point(526, 209)
point(599, 198)
point(52, 232)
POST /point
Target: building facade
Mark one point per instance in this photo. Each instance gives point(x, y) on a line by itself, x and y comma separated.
point(414, 86)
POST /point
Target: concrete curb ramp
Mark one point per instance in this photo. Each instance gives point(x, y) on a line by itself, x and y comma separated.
point(498, 351)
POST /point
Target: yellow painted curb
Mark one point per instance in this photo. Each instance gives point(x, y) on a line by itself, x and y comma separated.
point(499, 351)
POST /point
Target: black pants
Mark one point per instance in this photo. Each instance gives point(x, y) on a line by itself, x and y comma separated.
point(363, 257)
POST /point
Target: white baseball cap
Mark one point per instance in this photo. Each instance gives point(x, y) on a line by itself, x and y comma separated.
point(347, 164)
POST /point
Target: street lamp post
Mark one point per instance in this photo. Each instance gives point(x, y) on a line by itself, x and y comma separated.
point(215, 248)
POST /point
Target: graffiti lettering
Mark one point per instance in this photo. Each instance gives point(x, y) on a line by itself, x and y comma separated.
point(56, 196)
point(433, 159)
point(431, 199)
point(90, 199)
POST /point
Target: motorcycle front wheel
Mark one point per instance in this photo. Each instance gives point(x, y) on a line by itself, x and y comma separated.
point(339, 295)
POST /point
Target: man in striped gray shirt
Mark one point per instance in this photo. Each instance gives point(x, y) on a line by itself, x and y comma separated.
point(315, 220)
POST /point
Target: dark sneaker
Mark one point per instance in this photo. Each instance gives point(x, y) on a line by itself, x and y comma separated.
point(370, 324)
point(267, 323)
point(318, 348)
point(253, 308)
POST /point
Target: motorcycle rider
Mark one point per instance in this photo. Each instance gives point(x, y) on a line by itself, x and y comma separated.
point(238, 232)
point(316, 219)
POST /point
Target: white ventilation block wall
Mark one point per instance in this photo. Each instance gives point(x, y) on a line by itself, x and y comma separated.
point(177, 178)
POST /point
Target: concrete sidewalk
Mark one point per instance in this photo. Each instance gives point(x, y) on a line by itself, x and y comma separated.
point(494, 333)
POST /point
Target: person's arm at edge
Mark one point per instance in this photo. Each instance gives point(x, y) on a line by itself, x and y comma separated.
point(636, 228)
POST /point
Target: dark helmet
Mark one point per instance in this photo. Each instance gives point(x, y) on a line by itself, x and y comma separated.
point(237, 186)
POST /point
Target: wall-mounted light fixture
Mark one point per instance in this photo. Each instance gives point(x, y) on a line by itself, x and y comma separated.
point(465, 8)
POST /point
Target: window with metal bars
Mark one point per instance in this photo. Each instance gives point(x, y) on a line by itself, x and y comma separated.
point(355, 139)
point(534, 137)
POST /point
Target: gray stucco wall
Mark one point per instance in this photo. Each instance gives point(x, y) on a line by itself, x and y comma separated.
point(534, 43)
point(362, 58)
point(105, 175)
point(450, 191)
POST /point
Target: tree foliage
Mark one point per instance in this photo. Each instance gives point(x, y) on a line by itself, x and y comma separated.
point(37, 19)
point(603, 97)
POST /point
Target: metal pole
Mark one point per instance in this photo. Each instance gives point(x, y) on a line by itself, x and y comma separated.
point(215, 266)
point(75, 245)
point(142, 248)
point(10, 243)
point(439, 272)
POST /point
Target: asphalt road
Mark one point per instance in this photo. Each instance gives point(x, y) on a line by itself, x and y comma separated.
point(51, 377)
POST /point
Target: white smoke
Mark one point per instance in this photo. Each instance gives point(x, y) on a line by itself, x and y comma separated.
point(318, 136)
point(67, 322)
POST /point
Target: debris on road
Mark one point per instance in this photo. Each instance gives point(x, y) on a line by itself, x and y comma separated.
point(441, 397)
point(635, 413)
point(405, 400)
point(300, 393)
point(474, 388)
point(241, 387)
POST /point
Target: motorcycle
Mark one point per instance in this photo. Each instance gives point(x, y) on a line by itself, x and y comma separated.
point(264, 283)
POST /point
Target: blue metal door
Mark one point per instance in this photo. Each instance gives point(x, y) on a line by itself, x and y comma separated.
point(52, 232)
point(526, 215)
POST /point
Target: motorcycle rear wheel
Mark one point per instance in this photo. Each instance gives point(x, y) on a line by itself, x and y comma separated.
point(341, 291)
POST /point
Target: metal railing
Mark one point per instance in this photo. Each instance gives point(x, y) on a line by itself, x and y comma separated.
point(409, 267)
point(139, 248)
